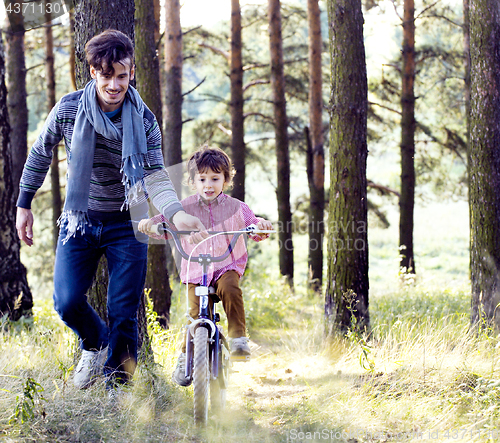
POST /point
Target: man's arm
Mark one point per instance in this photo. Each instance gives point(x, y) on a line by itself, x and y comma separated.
point(159, 187)
point(34, 172)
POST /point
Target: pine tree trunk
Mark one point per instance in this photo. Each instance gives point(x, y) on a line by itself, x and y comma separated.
point(72, 61)
point(484, 161)
point(407, 199)
point(16, 98)
point(91, 18)
point(238, 148)
point(15, 295)
point(466, 27)
point(346, 300)
point(282, 148)
point(172, 148)
point(148, 85)
point(316, 149)
point(50, 78)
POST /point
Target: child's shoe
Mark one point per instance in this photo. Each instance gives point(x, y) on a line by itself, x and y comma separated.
point(239, 347)
point(179, 375)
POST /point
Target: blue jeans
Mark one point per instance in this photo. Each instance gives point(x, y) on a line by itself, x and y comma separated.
point(75, 265)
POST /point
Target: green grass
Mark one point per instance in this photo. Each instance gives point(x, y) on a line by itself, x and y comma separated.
point(420, 373)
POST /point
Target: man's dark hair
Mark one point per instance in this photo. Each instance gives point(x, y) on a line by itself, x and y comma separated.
point(108, 47)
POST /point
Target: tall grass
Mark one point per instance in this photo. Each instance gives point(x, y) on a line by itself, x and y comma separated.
point(428, 375)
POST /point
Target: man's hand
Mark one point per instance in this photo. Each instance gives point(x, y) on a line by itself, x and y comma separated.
point(24, 225)
point(264, 225)
point(186, 222)
point(145, 225)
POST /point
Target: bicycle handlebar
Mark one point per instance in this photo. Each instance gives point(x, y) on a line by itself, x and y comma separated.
point(162, 228)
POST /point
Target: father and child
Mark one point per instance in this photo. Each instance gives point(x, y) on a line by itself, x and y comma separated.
point(113, 146)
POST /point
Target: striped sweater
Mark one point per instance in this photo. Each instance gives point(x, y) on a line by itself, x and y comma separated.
point(107, 193)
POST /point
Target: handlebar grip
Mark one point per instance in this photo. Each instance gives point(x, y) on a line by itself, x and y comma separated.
point(155, 229)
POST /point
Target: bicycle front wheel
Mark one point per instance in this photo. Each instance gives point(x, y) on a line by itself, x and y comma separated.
point(201, 375)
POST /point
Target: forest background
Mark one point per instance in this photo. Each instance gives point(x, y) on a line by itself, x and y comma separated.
point(421, 355)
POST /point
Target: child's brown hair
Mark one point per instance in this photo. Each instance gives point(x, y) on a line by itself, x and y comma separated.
point(213, 158)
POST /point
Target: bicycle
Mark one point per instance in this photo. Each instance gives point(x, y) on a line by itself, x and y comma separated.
point(208, 359)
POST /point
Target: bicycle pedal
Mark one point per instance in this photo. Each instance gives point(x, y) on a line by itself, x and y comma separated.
point(242, 358)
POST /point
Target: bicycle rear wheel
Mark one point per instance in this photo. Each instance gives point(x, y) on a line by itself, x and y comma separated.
point(201, 375)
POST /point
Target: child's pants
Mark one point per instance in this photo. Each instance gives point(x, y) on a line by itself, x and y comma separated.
point(227, 288)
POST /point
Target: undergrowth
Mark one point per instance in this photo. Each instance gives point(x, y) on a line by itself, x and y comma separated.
point(419, 372)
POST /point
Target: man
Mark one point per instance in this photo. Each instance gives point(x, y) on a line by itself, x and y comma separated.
point(113, 146)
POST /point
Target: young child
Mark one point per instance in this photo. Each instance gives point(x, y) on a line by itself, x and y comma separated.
point(210, 171)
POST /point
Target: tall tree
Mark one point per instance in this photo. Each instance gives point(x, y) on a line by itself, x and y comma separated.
point(281, 134)
point(15, 295)
point(148, 85)
point(407, 199)
point(316, 151)
point(50, 78)
point(172, 146)
point(237, 120)
point(91, 18)
point(484, 160)
point(346, 300)
point(16, 99)
point(466, 29)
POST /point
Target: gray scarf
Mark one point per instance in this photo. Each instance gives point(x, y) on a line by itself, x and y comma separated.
point(90, 121)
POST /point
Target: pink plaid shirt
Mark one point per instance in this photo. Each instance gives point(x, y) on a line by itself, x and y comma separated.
point(225, 213)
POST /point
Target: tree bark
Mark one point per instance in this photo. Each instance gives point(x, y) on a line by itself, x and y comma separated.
point(316, 176)
point(407, 199)
point(72, 61)
point(148, 85)
point(16, 98)
point(238, 148)
point(50, 78)
point(172, 148)
point(346, 299)
point(15, 295)
point(484, 161)
point(466, 28)
point(91, 18)
point(282, 145)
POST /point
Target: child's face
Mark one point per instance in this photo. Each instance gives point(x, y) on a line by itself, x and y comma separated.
point(209, 184)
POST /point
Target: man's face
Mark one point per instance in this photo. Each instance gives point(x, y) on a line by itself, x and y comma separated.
point(112, 86)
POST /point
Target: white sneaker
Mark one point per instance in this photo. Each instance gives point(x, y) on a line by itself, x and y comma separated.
point(89, 367)
point(239, 347)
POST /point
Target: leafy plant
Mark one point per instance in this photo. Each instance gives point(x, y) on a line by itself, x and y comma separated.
point(26, 403)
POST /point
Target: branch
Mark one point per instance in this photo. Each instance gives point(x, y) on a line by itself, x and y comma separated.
point(460, 25)
point(191, 30)
point(383, 189)
point(225, 54)
point(384, 107)
point(197, 86)
point(216, 98)
point(396, 10)
point(255, 83)
point(35, 66)
point(224, 129)
point(426, 9)
point(159, 40)
point(255, 65)
point(259, 114)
